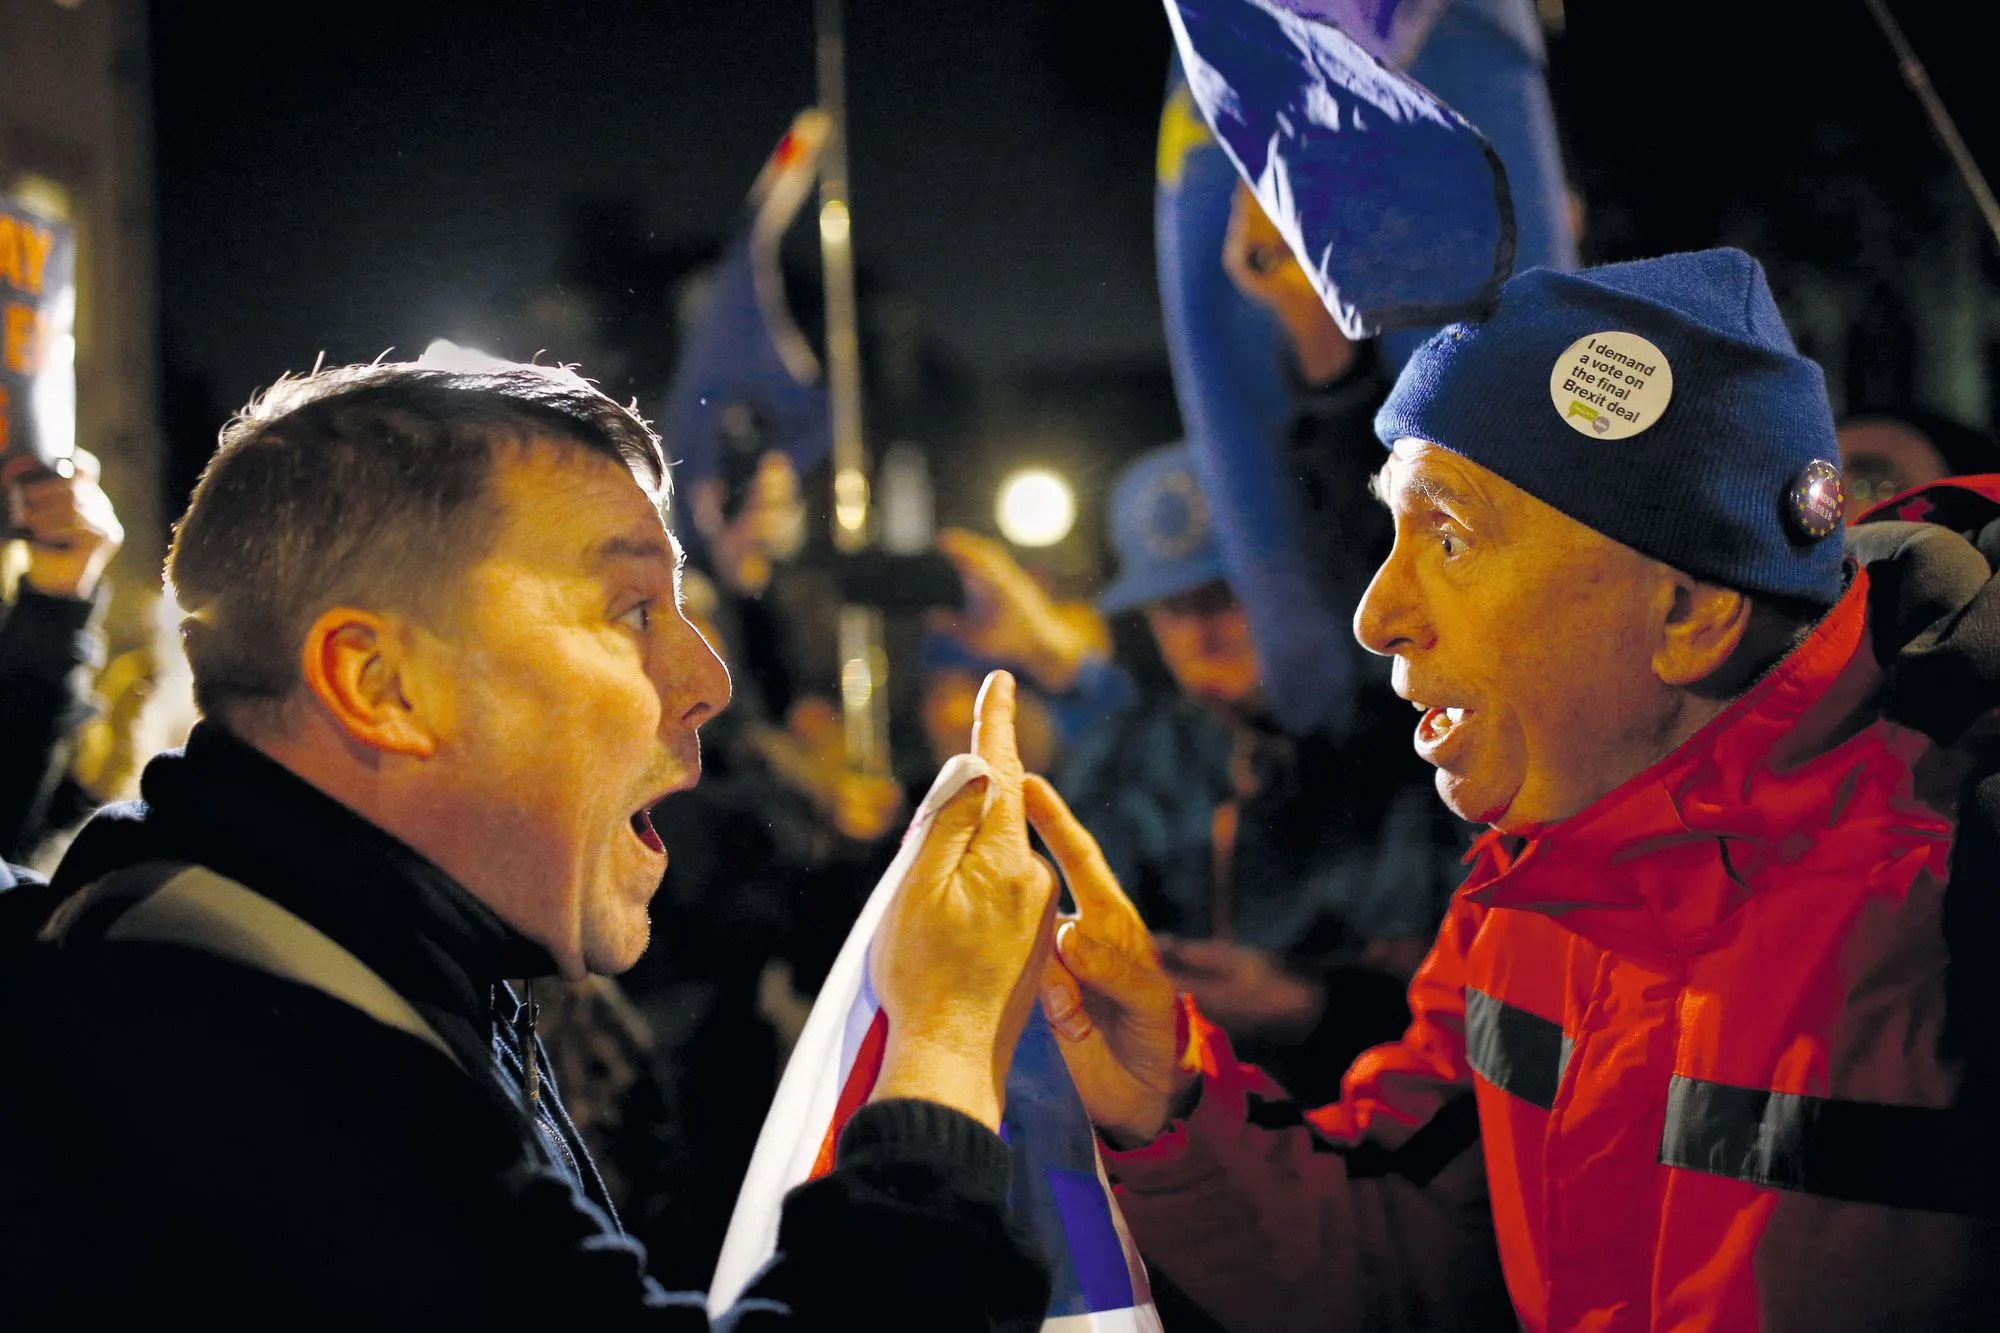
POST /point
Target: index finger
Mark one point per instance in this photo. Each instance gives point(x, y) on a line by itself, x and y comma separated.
point(993, 729)
point(1090, 879)
point(993, 741)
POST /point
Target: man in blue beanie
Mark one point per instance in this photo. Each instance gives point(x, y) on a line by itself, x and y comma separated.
point(1703, 1000)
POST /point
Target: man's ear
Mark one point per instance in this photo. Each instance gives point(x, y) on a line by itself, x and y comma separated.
point(1704, 627)
point(357, 665)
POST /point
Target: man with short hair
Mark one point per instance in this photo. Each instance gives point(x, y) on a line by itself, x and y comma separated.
point(266, 1062)
point(1707, 1000)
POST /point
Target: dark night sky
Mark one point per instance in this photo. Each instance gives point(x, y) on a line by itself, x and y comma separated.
point(372, 175)
point(390, 174)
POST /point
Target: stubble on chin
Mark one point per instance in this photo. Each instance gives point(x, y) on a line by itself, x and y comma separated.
point(619, 936)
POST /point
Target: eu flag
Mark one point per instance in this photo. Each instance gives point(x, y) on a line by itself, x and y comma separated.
point(1227, 355)
point(1396, 207)
point(747, 380)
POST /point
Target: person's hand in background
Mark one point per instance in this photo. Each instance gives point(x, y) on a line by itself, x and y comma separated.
point(861, 806)
point(68, 523)
point(1010, 618)
point(1261, 264)
point(1247, 992)
point(765, 531)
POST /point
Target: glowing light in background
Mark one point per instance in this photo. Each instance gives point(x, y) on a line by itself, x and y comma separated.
point(834, 223)
point(1036, 508)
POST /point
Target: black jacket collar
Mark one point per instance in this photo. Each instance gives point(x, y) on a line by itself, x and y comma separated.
point(225, 805)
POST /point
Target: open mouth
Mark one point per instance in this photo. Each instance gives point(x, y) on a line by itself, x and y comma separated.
point(1436, 728)
point(642, 828)
point(1438, 723)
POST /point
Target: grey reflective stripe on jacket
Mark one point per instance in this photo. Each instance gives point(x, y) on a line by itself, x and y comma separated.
point(197, 908)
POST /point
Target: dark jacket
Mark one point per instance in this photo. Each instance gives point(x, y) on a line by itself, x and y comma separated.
point(50, 649)
point(25, 902)
point(187, 1134)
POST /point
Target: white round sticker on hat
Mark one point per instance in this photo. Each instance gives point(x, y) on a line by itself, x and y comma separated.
point(1611, 385)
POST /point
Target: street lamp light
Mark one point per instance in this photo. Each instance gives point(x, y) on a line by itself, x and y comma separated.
point(1036, 508)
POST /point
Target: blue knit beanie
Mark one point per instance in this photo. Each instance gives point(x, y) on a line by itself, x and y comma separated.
point(1661, 403)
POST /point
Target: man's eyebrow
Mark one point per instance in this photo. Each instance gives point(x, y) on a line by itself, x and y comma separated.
point(638, 548)
point(1443, 494)
point(1431, 489)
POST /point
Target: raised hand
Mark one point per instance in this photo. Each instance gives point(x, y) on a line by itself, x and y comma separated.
point(1009, 618)
point(71, 528)
point(1105, 991)
point(962, 951)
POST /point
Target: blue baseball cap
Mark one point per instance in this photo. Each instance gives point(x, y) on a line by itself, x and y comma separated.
point(1160, 526)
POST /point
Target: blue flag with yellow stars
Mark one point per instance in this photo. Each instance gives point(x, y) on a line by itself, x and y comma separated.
point(1227, 359)
point(748, 382)
point(1396, 207)
point(1401, 216)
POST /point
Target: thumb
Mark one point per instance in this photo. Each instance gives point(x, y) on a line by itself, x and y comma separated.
point(1062, 999)
point(1134, 984)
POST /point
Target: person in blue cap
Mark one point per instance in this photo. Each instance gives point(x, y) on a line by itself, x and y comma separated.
point(1710, 1003)
point(1297, 879)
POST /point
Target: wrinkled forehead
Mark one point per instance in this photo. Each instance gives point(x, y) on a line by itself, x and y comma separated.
point(558, 494)
point(1418, 471)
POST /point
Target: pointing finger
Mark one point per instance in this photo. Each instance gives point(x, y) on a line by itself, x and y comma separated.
point(1090, 879)
point(993, 727)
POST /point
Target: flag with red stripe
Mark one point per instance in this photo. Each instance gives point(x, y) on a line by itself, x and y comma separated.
point(1060, 1192)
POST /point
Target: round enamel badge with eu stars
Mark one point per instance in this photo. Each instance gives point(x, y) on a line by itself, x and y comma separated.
point(1611, 385)
point(1816, 500)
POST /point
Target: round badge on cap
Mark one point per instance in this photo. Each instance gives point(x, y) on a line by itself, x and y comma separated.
point(1611, 385)
point(1817, 501)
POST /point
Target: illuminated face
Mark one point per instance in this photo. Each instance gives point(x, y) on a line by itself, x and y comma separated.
point(1880, 458)
point(575, 689)
point(1525, 639)
point(1204, 637)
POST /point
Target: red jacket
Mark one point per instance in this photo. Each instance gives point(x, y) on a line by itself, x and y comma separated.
point(1704, 1025)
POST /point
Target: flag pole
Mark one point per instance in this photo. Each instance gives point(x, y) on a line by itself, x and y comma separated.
point(864, 697)
point(1919, 79)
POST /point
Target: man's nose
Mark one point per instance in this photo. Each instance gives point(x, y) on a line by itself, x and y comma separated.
point(1388, 621)
point(697, 685)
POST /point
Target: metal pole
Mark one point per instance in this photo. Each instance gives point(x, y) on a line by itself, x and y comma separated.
point(1919, 80)
point(864, 697)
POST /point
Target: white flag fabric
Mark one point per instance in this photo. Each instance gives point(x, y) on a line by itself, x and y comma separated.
point(1059, 1193)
